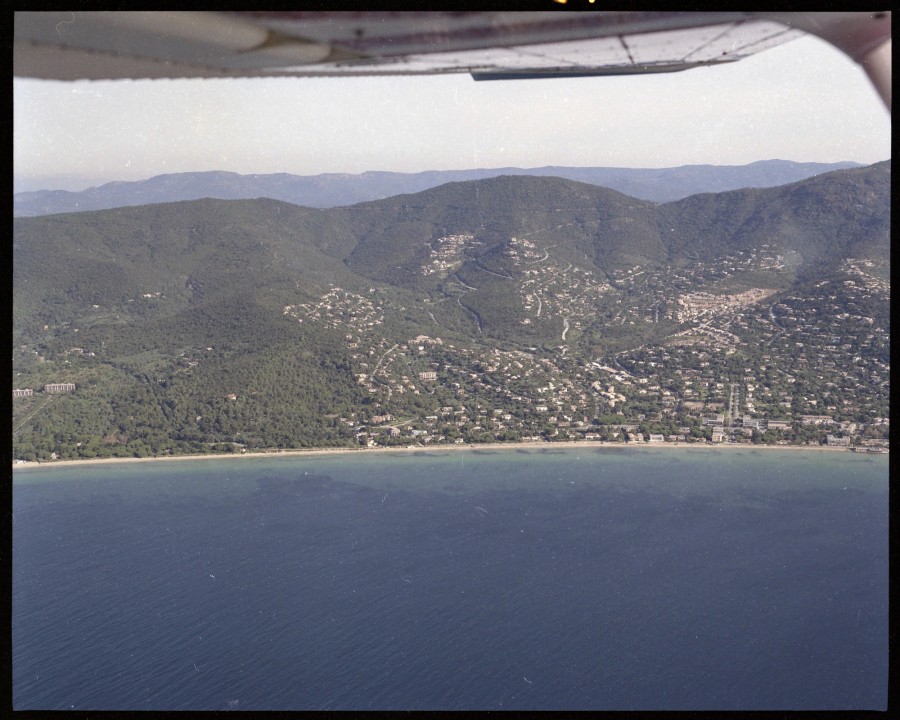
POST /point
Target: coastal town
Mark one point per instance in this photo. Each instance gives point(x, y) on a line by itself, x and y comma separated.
point(694, 354)
point(738, 367)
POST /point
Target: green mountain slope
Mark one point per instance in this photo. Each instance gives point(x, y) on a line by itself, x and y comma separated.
point(256, 322)
point(841, 214)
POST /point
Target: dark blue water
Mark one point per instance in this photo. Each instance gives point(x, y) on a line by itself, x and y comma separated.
point(615, 579)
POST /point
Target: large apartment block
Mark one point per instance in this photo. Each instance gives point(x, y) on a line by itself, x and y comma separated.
point(59, 387)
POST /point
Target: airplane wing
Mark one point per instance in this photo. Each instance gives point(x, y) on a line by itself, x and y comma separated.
point(487, 45)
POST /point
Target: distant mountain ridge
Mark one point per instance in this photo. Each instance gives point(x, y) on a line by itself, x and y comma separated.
point(338, 190)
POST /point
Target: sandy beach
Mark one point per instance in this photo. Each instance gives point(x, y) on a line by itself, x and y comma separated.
point(537, 447)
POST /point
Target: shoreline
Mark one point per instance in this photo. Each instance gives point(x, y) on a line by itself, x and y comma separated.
point(482, 447)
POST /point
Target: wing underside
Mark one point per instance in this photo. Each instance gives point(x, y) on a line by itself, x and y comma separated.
point(487, 45)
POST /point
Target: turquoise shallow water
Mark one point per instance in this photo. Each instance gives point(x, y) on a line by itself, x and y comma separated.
point(564, 579)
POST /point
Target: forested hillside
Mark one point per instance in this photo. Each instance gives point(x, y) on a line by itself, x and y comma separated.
point(257, 323)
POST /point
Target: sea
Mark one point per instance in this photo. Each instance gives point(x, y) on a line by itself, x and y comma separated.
point(537, 579)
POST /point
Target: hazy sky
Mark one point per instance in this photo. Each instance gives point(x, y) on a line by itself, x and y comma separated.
point(803, 101)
